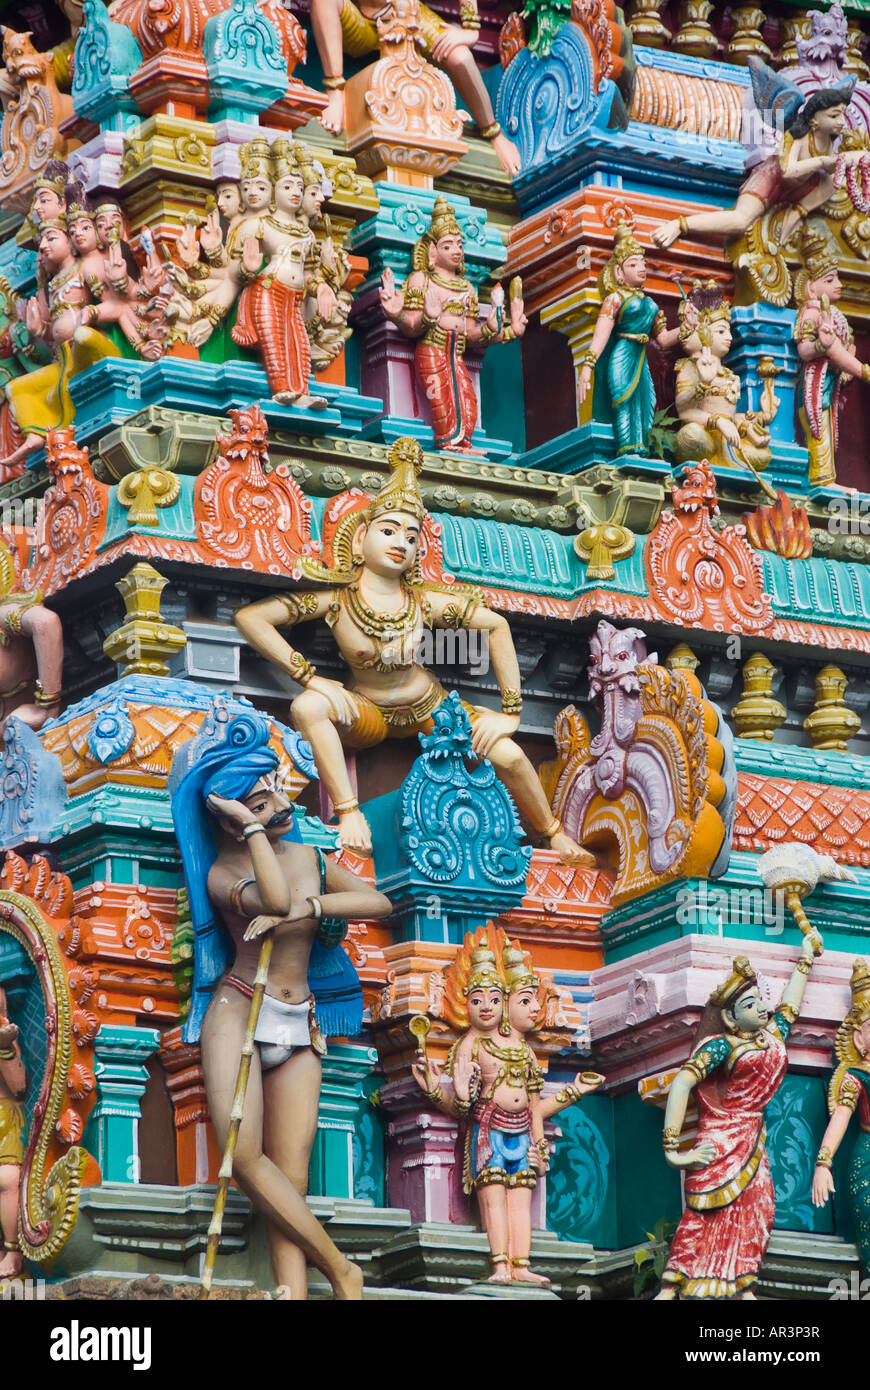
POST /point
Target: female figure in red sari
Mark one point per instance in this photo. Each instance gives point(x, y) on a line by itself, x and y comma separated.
point(736, 1067)
point(438, 305)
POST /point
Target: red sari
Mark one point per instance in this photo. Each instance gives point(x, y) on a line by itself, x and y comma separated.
point(270, 316)
point(725, 1229)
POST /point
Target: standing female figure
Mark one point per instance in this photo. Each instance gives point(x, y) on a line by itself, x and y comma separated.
point(737, 1066)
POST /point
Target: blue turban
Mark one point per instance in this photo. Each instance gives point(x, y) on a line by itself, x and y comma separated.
point(231, 769)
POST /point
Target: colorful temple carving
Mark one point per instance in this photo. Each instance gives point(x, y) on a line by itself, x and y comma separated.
point(436, 953)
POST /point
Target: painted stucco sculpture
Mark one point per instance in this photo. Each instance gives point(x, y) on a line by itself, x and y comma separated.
point(438, 306)
point(738, 1061)
point(649, 783)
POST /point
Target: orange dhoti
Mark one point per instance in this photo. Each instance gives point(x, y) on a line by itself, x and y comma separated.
point(270, 317)
point(449, 391)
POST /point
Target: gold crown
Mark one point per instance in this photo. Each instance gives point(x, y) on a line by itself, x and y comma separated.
point(707, 298)
point(282, 160)
point(53, 176)
point(76, 212)
point(443, 222)
point(255, 159)
point(484, 971)
point(58, 223)
point(625, 244)
point(400, 492)
point(741, 978)
point(860, 987)
point(517, 974)
point(818, 252)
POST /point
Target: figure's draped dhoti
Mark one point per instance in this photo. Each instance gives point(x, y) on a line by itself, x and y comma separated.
point(449, 391)
point(270, 317)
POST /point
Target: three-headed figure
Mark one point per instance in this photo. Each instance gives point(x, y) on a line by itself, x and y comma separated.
point(247, 873)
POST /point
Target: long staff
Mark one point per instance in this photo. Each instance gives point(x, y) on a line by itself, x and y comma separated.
point(236, 1113)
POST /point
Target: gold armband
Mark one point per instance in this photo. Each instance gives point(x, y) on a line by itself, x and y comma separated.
point(824, 1158)
point(511, 701)
point(236, 892)
point(413, 298)
point(660, 323)
point(804, 965)
point(670, 1140)
point(299, 606)
point(789, 1013)
point(865, 371)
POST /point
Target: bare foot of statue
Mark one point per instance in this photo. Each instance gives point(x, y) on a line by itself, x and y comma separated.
point(502, 1272)
point(12, 1265)
point(523, 1275)
point(332, 116)
point(354, 833)
point(666, 1296)
point(302, 402)
point(348, 1287)
point(570, 852)
point(666, 234)
point(508, 155)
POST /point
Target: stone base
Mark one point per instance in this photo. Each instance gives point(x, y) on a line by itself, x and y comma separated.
point(512, 1290)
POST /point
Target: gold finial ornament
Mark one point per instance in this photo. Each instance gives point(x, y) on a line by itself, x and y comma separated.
point(400, 493)
point(758, 714)
point(600, 546)
point(831, 724)
point(742, 977)
point(144, 641)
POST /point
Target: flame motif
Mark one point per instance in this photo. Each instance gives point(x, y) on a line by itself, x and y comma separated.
point(780, 528)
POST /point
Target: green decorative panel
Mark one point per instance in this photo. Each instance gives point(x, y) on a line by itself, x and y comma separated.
point(608, 1181)
point(796, 1120)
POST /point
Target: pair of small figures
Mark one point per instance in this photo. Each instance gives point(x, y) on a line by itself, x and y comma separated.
point(493, 1084)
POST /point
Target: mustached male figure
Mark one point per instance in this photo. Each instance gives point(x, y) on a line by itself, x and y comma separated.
point(247, 873)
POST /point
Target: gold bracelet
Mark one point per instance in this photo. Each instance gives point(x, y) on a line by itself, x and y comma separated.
point(670, 1140)
point(825, 1158)
point(684, 226)
point(334, 84)
point(344, 807)
point(865, 371)
point(589, 359)
point(316, 908)
point(436, 1095)
point(543, 1148)
point(46, 699)
point(511, 701)
point(301, 669)
point(7, 1056)
point(461, 1107)
point(214, 254)
point(804, 965)
point(256, 829)
point(568, 1095)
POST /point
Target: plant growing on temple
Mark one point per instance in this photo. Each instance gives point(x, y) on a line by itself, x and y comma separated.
point(650, 1260)
point(663, 433)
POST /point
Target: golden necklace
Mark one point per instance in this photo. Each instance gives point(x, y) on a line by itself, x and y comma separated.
point(375, 624)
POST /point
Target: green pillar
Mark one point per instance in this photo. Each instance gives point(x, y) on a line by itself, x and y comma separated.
point(112, 1136)
point(348, 1157)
